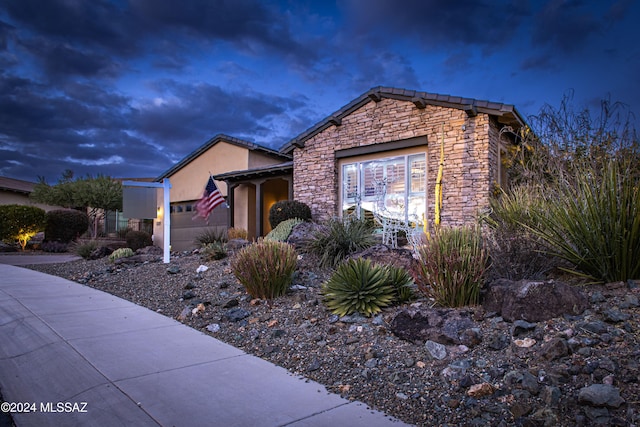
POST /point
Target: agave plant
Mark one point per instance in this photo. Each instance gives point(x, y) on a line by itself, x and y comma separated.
point(360, 286)
point(402, 282)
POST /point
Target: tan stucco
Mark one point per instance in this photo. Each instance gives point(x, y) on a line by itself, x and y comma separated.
point(13, 198)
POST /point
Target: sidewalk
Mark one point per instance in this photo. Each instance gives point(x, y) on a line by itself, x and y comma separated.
point(102, 361)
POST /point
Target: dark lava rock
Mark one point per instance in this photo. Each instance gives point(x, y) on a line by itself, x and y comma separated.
point(444, 326)
point(533, 301)
point(554, 349)
point(100, 252)
point(236, 314)
point(600, 395)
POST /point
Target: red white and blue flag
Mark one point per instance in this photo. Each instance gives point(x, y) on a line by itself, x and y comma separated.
point(211, 198)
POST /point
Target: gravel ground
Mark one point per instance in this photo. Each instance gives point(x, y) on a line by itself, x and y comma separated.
point(592, 379)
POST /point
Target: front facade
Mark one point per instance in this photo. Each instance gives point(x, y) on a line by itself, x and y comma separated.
point(16, 192)
point(188, 178)
point(381, 154)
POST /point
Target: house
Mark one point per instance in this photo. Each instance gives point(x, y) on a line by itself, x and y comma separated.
point(16, 192)
point(381, 152)
point(249, 196)
point(378, 154)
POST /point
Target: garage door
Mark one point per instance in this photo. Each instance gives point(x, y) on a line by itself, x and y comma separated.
point(185, 229)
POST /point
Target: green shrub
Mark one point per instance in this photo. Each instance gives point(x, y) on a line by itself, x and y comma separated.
point(65, 225)
point(402, 283)
point(20, 222)
point(338, 238)
point(358, 285)
point(283, 230)
point(120, 253)
point(122, 233)
point(138, 240)
point(452, 265)
point(515, 252)
point(213, 251)
point(288, 209)
point(211, 235)
point(592, 220)
point(84, 248)
point(265, 268)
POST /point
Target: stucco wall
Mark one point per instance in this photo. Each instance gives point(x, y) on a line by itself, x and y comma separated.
point(468, 173)
point(188, 183)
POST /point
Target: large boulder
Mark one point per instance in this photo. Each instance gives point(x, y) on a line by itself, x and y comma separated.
point(302, 232)
point(533, 300)
point(444, 326)
point(383, 254)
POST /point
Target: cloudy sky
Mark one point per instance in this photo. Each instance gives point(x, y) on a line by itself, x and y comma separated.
point(128, 87)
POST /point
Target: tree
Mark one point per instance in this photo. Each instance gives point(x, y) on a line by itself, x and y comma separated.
point(94, 195)
point(21, 223)
point(567, 139)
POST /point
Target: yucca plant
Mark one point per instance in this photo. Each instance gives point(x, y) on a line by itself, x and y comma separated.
point(265, 268)
point(359, 286)
point(83, 248)
point(211, 235)
point(452, 265)
point(213, 251)
point(338, 238)
point(402, 282)
point(592, 220)
point(282, 231)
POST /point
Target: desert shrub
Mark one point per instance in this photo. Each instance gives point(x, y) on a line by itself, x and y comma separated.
point(122, 233)
point(20, 222)
point(358, 285)
point(515, 252)
point(121, 253)
point(84, 248)
point(65, 225)
point(138, 240)
point(402, 283)
point(211, 235)
point(288, 209)
point(237, 233)
point(451, 266)
point(213, 251)
point(592, 220)
point(54, 247)
point(265, 268)
point(283, 230)
point(338, 238)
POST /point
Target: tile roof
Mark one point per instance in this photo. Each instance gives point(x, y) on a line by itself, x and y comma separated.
point(213, 141)
point(507, 113)
point(16, 185)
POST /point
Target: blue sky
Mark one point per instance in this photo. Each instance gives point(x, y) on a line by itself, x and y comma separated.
point(128, 87)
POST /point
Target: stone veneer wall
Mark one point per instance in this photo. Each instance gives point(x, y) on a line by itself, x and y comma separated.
point(469, 161)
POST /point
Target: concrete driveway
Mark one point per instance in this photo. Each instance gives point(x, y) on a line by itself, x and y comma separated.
point(28, 258)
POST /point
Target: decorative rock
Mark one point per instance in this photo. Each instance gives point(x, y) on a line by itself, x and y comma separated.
point(521, 326)
point(533, 301)
point(615, 316)
point(201, 269)
point(436, 350)
point(597, 327)
point(498, 342)
point(446, 326)
point(188, 295)
point(480, 390)
point(214, 327)
point(600, 395)
point(236, 314)
point(525, 343)
point(383, 254)
point(189, 285)
point(554, 349)
point(174, 269)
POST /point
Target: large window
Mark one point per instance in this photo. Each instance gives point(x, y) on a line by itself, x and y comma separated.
point(394, 187)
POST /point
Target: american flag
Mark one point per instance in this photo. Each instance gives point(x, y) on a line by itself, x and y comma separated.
point(211, 198)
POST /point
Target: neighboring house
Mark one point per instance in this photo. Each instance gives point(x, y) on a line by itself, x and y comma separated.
point(249, 196)
point(16, 192)
point(379, 154)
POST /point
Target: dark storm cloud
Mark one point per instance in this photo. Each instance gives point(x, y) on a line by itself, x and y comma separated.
point(189, 113)
point(438, 23)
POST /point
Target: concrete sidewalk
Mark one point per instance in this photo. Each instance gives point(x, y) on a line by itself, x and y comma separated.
point(83, 357)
